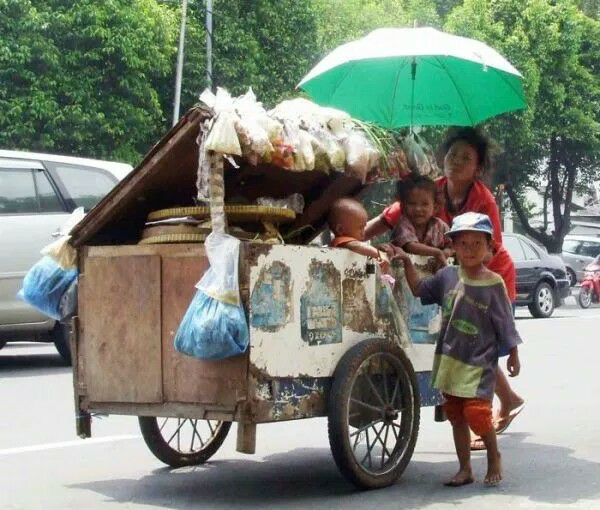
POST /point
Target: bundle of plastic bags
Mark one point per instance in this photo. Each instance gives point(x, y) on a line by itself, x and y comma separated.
point(51, 283)
point(214, 325)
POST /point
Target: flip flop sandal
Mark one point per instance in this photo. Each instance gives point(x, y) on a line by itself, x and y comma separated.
point(503, 423)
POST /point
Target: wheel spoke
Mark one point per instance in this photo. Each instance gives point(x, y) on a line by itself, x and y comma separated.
point(368, 454)
point(163, 424)
point(375, 390)
point(378, 438)
point(176, 433)
point(193, 422)
point(195, 432)
point(212, 432)
point(387, 430)
point(384, 375)
point(364, 404)
point(179, 434)
point(358, 431)
point(396, 387)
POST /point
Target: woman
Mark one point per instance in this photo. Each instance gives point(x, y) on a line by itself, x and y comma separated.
point(466, 157)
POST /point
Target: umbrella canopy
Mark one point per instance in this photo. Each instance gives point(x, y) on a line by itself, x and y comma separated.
point(416, 76)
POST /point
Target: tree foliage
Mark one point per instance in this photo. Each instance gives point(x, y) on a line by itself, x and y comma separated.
point(556, 141)
point(79, 77)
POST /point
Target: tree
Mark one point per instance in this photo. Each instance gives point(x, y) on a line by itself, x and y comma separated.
point(554, 143)
point(81, 77)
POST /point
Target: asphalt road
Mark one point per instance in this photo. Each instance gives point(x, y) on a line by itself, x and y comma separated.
point(551, 451)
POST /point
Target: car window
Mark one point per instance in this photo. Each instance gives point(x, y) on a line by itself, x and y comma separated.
point(48, 200)
point(570, 246)
point(530, 253)
point(513, 246)
point(86, 186)
point(589, 249)
point(26, 191)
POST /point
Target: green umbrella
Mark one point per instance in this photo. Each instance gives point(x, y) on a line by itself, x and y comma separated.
point(398, 77)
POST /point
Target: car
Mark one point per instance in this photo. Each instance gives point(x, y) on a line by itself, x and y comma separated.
point(542, 280)
point(37, 194)
point(578, 252)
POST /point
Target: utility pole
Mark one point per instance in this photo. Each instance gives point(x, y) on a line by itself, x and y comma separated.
point(209, 41)
point(179, 69)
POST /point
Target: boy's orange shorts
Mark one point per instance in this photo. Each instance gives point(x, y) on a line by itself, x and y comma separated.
point(477, 412)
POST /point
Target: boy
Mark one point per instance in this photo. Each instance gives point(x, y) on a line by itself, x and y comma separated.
point(347, 220)
point(477, 324)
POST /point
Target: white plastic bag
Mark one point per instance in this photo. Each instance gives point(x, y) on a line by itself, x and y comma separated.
point(60, 250)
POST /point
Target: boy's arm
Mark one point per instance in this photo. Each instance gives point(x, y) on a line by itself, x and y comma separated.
point(429, 251)
point(410, 272)
point(363, 249)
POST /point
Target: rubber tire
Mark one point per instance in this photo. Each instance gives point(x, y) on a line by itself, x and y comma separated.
point(61, 339)
point(588, 292)
point(572, 277)
point(163, 452)
point(534, 307)
point(337, 412)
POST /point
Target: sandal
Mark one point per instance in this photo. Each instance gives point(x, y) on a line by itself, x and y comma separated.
point(503, 423)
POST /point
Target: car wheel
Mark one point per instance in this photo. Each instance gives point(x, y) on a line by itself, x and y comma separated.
point(572, 277)
point(60, 337)
point(543, 301)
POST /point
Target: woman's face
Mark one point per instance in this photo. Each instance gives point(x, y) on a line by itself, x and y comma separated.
point(461, 163)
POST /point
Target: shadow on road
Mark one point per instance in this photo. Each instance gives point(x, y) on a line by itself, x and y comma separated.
point(17, 361)
point(308, 478)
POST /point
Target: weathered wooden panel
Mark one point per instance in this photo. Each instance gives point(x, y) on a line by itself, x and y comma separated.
point(120, 317)
point(186, 379)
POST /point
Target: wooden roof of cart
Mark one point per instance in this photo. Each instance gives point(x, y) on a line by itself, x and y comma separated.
point(166, 177)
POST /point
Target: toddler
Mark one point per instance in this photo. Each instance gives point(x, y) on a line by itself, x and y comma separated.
point(477, 324)
point(347, 221)
point(418, 231)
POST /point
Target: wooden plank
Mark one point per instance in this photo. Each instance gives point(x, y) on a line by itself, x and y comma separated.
point(120, 329)
point(172, 250)
point(186, 379)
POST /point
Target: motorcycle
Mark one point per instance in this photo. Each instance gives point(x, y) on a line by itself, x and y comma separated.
point(590, 286)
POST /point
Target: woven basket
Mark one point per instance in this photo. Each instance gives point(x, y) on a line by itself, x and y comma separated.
point(235, 213)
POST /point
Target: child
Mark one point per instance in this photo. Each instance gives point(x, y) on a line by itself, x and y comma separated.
point(477, 323)
point(347, 220)
point(418, 231)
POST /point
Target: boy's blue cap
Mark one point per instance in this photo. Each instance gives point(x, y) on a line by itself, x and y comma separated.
point(472, 222)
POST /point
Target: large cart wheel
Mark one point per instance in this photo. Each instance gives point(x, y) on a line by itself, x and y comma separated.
point(183, 441)
point(374, 411)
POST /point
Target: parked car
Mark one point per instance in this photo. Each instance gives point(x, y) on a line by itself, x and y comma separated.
point(37, 194)
point(542, 281)
point(577, 253)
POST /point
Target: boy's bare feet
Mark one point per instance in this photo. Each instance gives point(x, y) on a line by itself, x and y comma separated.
point(494, 472)
point(463, 477)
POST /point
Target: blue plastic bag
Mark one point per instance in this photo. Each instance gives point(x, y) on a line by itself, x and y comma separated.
point(211, 329)
point(214, 325)
point(45, 284)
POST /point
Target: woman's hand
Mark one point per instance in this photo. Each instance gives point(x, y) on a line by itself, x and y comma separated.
point(513, 365)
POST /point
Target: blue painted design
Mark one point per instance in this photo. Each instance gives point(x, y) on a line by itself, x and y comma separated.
point(382, 300)
point(270, 299)
point(419, 317)
point(429, 396)
point(320, 305)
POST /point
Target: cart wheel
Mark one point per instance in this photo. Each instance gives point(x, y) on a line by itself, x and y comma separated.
point(183, 441)
point(374, 411)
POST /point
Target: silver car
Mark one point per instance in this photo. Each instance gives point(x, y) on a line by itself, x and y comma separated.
point(37, 194)
point(578, 252)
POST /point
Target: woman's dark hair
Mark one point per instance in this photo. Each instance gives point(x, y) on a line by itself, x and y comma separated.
point(405, 186)
point(476, 138)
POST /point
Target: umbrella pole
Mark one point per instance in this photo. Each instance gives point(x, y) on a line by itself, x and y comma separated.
point(413, 72)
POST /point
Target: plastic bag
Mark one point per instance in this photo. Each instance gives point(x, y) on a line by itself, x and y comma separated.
point(419, 155)
point(45, 284)
point(295, 202)
point(214, 325)
point(60, 250)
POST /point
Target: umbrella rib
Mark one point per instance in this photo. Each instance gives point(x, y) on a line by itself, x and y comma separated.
point(342, 79)
point(404, 64)
point(457, 89)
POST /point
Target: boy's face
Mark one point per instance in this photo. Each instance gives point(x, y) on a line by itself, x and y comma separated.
point(353, 224)
point(471, 248)
point(420, 206)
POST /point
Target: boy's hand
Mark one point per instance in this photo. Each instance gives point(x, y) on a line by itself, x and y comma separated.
point(513, 365)
point(384, 263)
point(441, 258)
point(388, 248)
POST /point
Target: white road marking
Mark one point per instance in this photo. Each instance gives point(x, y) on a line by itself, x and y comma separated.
point(66, 444)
